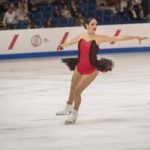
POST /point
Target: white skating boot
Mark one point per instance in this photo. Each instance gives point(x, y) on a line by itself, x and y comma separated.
point(72, 118)
point(66, 111)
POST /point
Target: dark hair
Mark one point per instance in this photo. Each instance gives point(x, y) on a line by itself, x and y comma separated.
point(87, 21)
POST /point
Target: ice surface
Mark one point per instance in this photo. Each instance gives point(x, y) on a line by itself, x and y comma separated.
point(114, 114)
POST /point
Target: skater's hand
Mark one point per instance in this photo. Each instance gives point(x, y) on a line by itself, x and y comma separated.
point(139, 38)
point(59, 48)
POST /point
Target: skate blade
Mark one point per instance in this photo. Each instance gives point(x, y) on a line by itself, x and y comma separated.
point(69, 123)
point(63, 114)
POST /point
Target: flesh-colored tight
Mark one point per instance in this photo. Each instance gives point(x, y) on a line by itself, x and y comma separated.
point(79, 83)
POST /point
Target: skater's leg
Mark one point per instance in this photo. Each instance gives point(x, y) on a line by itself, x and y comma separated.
point(68, 107)
point(84, 82)
point(74, 81)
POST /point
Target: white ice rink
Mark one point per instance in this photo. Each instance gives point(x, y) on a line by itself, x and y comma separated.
point(114, 114)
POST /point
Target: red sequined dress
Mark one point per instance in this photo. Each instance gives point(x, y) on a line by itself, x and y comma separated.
point(87, 61)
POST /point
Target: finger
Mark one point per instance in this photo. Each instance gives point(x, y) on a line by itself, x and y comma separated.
point(58, 48)
point(145, 38)
point(61, 48)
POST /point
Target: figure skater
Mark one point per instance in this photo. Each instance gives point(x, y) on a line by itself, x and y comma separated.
point(86, 67)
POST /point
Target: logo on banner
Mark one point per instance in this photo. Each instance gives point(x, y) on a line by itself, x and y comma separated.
point(36, 40)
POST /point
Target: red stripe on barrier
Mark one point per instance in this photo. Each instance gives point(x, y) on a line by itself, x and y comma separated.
point(13, 42)
point(116, 34)
point(64, 37)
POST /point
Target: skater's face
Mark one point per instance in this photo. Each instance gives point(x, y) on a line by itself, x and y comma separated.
point(92, 26)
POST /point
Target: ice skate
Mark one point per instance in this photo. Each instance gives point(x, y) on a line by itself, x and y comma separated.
point(66, 111)
point(72, 118)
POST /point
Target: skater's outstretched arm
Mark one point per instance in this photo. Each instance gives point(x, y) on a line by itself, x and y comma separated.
point(103, 38)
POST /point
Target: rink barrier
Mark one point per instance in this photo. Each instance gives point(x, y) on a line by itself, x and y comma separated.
point(43, 42)
point(72, 53)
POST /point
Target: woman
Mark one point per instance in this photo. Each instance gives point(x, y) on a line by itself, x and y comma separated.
point(86, 66)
